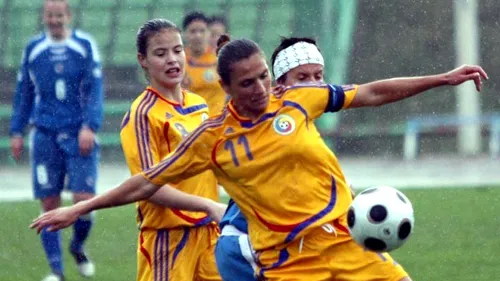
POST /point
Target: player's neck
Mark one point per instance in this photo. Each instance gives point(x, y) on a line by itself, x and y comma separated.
point(172, 94)
point(198, 52)
point(64, 36)
point(246, 113)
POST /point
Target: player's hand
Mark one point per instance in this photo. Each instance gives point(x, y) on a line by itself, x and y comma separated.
point(465, 73)
point(216, 211)
point(86, 141)
point(16, 147)
point(55, 219)
point(278, 91)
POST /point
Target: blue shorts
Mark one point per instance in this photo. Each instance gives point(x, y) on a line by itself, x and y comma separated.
point(57, 155)
point(234, 258)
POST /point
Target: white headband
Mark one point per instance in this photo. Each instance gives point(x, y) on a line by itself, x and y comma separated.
point(298, 54)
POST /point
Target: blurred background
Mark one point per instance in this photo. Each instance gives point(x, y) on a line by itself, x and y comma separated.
point(448, 137)
point(361, 40)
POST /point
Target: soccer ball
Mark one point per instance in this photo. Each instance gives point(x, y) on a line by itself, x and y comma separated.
point(380, 219)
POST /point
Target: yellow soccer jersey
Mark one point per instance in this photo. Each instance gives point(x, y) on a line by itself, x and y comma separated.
point(152, 129)
point(201, 78)
point(276, 168)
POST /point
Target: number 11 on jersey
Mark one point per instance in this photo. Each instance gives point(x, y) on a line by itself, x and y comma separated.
point(242, 140)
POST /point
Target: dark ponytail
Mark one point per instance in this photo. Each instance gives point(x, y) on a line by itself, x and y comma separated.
point(230, 52)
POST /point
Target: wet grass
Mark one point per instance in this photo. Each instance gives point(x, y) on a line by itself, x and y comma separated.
point(457, 237)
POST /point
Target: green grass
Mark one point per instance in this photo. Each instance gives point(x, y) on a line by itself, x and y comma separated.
point(457, 237)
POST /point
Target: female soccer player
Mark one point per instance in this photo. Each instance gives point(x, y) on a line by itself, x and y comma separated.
point(157, 122)
point(201, 74)
point(217, 24)
point(233, 253)
point(266, 152)
point(60, 88)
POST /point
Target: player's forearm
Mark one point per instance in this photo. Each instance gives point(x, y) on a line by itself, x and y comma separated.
point(93, 114)
point(93, 104)
point(390, 90)
point(21, 110)
point(171, 197)
point(134, 189)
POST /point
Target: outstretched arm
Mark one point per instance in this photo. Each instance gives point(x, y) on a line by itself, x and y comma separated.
point(171, 197)
point(134, 189)
point(390, 90)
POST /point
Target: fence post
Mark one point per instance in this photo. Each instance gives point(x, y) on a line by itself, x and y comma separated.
point(494, 143)
point(410, 145)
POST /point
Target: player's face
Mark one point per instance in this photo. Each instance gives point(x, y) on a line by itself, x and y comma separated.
point(250, 84)
point(216, 30)
point(165, 58)
point(197, 35)
point(306, 73)
point(56, 17)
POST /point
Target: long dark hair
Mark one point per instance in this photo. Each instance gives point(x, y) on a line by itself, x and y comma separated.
point(230, 52)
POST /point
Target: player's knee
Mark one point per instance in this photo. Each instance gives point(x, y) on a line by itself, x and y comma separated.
point(77, 197)
point(50, 203)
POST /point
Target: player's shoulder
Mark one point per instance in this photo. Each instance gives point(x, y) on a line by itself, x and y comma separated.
point(83, 36)
point(86, 40)
point(211, 55)
point(297, 90)
point(140, 103)
point(35, 46)
point(36, 40)
point(193, 98)
point(215, 123)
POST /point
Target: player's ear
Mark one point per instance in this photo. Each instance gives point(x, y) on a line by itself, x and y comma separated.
point(142, 60)
point(224, 87)
point(70, 14)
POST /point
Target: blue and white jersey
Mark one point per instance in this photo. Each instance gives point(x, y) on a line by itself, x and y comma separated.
point(234, 217)
point(59, 85)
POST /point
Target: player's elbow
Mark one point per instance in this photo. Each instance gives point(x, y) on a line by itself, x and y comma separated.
point(143, 188)
point(150, 189)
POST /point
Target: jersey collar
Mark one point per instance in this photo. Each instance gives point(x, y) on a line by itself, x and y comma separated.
point(154, 91)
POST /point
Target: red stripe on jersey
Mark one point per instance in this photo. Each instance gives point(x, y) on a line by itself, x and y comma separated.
point(187, 218)
point(275, 227)
point(214, 154)
point(166, 126)
point(143, 250)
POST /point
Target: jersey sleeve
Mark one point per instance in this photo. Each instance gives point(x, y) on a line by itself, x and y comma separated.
point(318, 99)
point(140, 142)
point(191, 157)
point(23, 98)
point(92, 89)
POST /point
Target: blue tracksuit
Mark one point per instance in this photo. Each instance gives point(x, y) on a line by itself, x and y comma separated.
point(59, 87)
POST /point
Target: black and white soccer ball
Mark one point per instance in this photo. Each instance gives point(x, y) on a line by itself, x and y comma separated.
point(380, 219)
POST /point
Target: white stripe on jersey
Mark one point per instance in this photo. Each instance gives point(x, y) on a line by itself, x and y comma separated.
point(93, 44)
point(76, 46)
point(71, 43)
point(38, 49)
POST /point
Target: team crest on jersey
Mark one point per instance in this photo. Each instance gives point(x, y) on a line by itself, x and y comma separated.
point(209, 75)
point(204, 116)
point(59, 68)
point(284, 124)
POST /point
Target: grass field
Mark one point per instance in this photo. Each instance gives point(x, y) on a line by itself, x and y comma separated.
point(457, 237)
